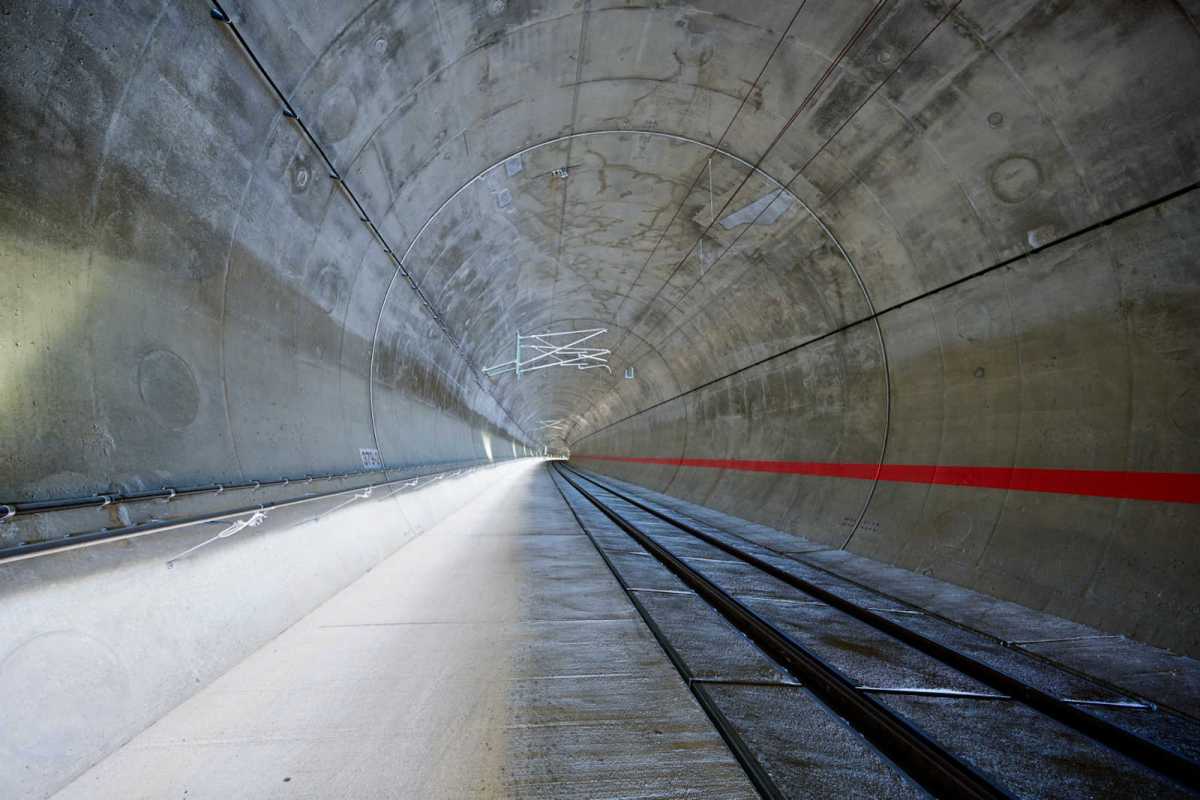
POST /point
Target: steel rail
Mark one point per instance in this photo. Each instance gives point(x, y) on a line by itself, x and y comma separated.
point(1142, 701)
point(923, 759)
point(1138, 748)
point(754, 770)
point(74, 541)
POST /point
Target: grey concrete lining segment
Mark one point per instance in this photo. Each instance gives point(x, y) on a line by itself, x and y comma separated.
point(936, 147)
point(444, 672)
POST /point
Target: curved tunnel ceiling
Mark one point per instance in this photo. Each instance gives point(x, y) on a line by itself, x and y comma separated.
point(920, 144)
point(855, 232)
point(523, 249)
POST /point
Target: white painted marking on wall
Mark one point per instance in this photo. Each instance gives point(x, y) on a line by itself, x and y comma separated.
point(772, 206)
point(370, 458)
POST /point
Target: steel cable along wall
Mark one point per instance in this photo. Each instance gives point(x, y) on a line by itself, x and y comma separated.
point(999, 193)
point(180, 318)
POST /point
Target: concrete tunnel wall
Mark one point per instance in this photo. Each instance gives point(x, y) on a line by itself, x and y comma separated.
point(984, 256)
point(190, 298)
point(988, 372)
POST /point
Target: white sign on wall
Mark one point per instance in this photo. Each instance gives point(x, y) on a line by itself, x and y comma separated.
point(370, 458)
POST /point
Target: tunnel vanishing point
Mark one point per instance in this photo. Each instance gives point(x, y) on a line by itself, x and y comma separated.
point(524, 320)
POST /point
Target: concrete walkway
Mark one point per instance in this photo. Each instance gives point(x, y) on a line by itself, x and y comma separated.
point(494, 656)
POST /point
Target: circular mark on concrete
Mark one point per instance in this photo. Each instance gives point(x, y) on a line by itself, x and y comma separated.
point(496, 7)
point(1015, 178)
point(168, 388)
point(1184, 411)
point(328, 288)
point(884, 56)
point(973, 322)
point(300, 174)
point(381, 45)
point(339, 109)
point(57, 690)
point(995, 119)
point(980, 372)
point(1041, 236)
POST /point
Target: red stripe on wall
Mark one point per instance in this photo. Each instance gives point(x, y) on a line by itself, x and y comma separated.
point(1167, 487)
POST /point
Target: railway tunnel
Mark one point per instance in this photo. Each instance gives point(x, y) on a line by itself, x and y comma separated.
point(596, 398)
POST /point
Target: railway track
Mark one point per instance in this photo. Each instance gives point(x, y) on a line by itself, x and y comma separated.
point(1091, 744)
